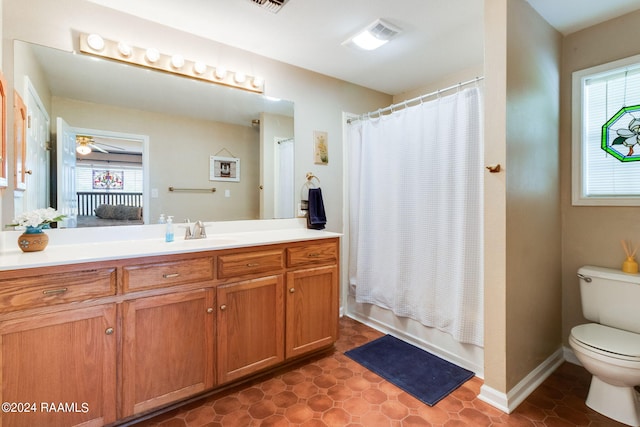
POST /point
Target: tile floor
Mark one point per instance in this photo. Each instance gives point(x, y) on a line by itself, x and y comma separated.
point(333, 390)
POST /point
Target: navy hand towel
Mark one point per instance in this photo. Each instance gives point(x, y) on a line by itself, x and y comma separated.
point(316, 217)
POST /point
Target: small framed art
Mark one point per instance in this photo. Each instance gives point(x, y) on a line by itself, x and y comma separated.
point(224, 169)
point(320, 148)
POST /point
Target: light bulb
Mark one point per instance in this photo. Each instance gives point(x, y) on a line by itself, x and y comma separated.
point(199, 67)
point(124, 49)
point(95, 42)
point(177, 61)
point(221, 73)
point(83, 149)
point(257, 82)
point(152, 55)
point(239, 78)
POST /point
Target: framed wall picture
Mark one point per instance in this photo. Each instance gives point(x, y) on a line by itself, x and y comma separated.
point(224, 169)
point(19, 142)
point(320, 148)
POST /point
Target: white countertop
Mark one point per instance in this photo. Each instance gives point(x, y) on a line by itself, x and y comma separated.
point(70, 246)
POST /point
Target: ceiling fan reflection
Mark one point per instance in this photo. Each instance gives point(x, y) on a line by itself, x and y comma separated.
point(85, 144)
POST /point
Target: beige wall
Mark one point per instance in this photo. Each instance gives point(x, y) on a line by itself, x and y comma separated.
point(522, 213)
point(319, 100)
point(591, 234)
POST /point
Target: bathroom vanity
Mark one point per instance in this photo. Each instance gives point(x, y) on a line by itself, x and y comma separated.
point(95, 333)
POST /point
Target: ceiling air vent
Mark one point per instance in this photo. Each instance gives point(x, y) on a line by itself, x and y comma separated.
point(271, 5)
point(383, 30)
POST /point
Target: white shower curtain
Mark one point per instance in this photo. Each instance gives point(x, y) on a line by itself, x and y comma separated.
point(285, 194)
point(416, 213)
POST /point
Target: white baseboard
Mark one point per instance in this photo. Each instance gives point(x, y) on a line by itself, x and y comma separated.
point(508, 402)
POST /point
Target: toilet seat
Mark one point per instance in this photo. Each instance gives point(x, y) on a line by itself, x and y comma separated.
point(612, 342)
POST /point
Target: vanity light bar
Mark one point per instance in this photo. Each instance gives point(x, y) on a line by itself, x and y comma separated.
point(94, 44)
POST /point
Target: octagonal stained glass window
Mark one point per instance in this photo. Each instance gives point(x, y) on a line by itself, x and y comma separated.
point(621, 134)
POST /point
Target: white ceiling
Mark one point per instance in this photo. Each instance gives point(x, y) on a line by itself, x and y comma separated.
point(438, 38)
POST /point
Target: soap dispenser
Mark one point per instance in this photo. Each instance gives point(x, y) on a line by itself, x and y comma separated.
point(162, 219)
point(168, 236)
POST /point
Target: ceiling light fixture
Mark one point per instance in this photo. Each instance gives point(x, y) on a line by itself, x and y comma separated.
point(83, 149)
point(374, 35)
point(152, 58)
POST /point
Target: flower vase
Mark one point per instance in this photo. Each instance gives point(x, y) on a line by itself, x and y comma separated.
point(34, 239)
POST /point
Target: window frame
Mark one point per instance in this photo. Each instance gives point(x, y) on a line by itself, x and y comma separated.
point(577, 130)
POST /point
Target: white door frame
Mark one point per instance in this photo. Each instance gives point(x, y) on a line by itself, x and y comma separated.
point(144, 140)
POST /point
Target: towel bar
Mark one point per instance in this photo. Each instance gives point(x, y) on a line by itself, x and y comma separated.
point(194, 190)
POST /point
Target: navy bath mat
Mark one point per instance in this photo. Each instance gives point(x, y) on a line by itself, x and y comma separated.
point(419, 373)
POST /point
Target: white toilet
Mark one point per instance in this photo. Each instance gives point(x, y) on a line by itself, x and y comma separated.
point(610, 348)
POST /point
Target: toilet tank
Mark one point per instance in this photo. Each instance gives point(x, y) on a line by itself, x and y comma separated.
point(610, 297)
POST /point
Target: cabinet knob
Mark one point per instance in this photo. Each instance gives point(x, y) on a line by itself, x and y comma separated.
point(210, 310)
point(223, 307)
point(109, 331)
point(292, 290)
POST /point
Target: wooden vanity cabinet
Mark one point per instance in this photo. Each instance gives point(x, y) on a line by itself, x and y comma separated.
point(115, 340)
point(312, 309)
point(312, 296)
point(60, 367)
point(168, 349)
point(250, 326)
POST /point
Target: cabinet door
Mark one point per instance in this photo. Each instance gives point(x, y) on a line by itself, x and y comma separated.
point(312, 309)
point(59, 369)
point(250, 326)
point(168, 349)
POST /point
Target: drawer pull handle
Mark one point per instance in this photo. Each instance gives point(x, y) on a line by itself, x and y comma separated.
point(314, 255)
point(223, 307)
point(109, 331)
point(292, 290)
point(253, 264)
point(209, 310)
point(171, 276)
point(54, 291)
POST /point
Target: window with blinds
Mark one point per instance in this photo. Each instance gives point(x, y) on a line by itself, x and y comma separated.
point(599, 178)
point(131, 178)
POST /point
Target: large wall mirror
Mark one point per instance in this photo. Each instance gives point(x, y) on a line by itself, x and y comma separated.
point(103, 132)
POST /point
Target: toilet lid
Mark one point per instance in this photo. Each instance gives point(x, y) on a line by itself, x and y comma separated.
point(608, 339)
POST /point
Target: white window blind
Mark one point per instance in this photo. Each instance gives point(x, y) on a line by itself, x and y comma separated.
point(599, 93)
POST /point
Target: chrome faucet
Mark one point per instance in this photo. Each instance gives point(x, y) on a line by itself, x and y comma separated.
point(199, 232)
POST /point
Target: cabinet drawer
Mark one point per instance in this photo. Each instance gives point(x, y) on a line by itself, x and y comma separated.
point(48, 289)
point(245, 263)
point(316, 253)
point(147, 276)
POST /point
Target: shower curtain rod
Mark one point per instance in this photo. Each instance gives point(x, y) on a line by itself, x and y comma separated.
point(420, 98)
